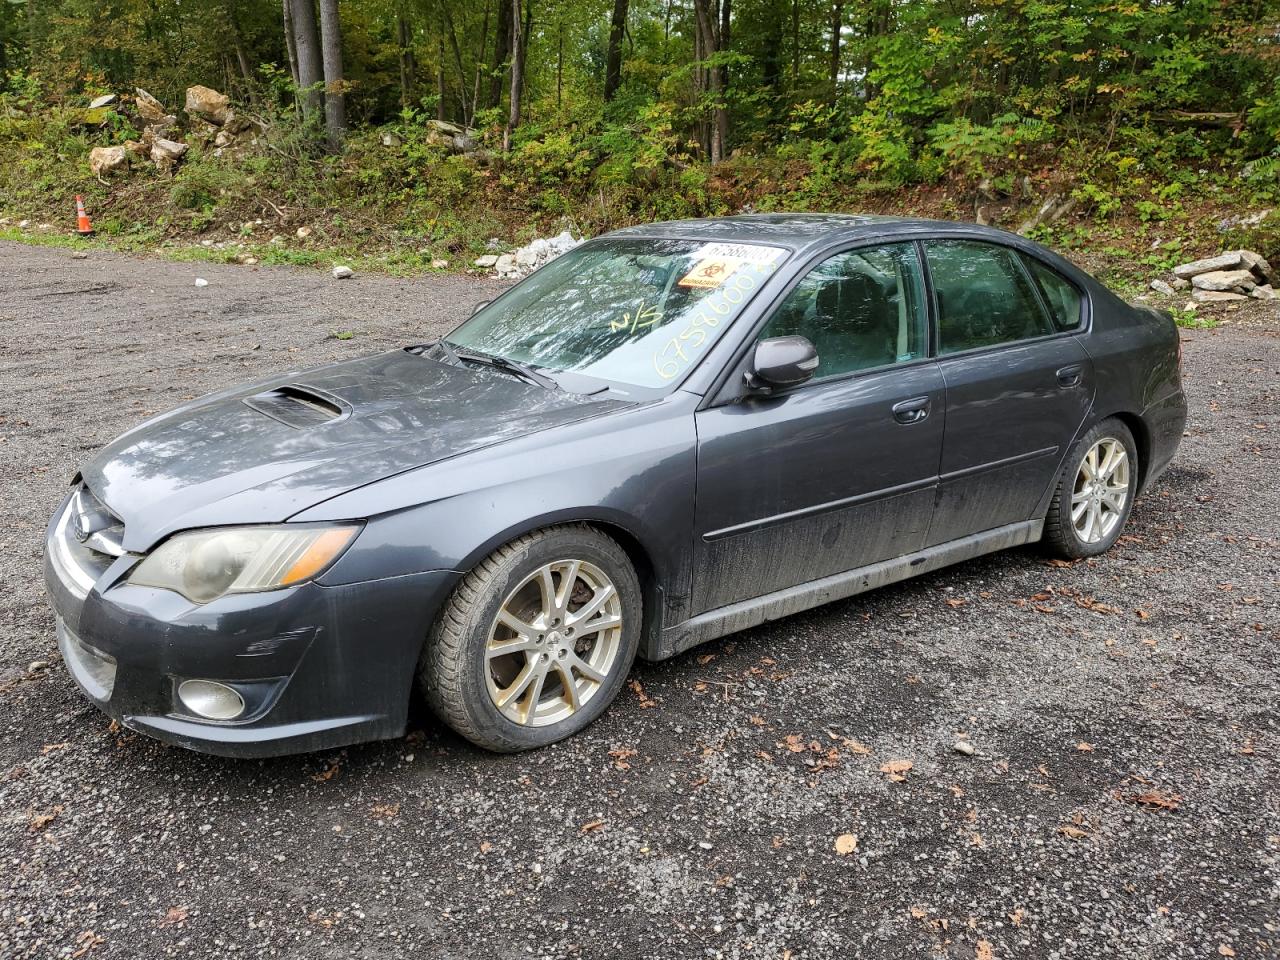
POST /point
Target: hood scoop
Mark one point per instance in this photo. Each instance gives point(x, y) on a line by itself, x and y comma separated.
point(297, 406)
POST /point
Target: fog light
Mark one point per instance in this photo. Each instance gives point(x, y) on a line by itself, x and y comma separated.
point(213, 701)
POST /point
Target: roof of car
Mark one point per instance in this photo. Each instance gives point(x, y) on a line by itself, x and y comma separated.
point(794, 230)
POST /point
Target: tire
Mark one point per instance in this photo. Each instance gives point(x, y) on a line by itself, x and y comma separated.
point(475, 687)
point(1093, 533)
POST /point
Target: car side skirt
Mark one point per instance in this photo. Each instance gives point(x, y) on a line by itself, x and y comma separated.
point(783, 603)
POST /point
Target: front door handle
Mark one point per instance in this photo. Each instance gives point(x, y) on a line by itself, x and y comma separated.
point(1070, 376)
point(911, 411)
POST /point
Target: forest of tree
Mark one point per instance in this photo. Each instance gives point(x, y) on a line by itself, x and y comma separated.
point(594, 94)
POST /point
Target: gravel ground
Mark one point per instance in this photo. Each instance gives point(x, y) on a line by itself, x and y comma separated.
point(1121, 799)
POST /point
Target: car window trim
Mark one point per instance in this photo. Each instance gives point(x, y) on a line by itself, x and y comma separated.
point(724, 391)
point(936, 314)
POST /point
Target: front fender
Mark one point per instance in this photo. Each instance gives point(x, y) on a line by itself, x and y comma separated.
point(633, 471)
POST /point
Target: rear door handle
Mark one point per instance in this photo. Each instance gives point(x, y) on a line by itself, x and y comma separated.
point(911, 411)
point(1070, 376)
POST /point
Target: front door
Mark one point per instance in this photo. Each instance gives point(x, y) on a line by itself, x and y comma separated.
point(1018, 387)
point(838, 472)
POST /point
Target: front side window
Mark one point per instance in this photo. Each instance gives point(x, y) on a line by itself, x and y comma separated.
point(860, 309)
point(1060, 294)
point(984, 296)
point(632, 311)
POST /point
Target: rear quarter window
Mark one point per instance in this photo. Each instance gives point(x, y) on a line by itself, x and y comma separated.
point(1060, 294)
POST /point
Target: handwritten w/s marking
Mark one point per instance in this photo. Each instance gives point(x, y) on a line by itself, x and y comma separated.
point(645, 317)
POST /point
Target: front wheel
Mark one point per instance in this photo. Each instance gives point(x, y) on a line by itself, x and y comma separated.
point(1095, 493)
point(536, 641)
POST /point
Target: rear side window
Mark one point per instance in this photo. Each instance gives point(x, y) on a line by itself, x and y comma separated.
point(984, 296)
point(1059, 293)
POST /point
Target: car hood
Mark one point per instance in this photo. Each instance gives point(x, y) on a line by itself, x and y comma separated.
point(262, 453)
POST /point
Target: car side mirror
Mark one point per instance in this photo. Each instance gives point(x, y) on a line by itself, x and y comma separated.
point(480, 306)
point(782, 362)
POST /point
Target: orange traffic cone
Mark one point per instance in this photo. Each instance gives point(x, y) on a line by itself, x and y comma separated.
point(83, 226)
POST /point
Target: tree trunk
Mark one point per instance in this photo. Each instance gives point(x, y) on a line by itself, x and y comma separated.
point(560, 65)
point(442, 89)
point(310, 71)
point(290, 48)
point(837, 22)
point(457, 58)
point(408, 68)
point(501, 51)
point(484, 45)
point(517, 71)
point(335, 100)
point(613, 59)
point(795, 44)
point(713, 24)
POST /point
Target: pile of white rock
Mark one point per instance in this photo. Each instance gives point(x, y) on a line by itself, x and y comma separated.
point(1234, 275)
point(524, 260)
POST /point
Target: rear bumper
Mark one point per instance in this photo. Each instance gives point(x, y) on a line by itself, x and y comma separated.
point(1165, 421)
point(318, 667)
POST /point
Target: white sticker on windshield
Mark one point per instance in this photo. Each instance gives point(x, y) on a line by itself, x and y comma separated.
point(742, 252)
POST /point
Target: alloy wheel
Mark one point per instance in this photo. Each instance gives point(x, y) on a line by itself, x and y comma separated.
point(553, 642)
point(1101, 490)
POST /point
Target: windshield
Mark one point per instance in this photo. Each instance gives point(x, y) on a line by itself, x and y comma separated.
point(637, 312)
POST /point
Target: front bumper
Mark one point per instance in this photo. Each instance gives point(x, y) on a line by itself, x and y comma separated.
point(318, 666)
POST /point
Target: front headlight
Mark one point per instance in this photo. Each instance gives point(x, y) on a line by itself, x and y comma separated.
point(206, 564)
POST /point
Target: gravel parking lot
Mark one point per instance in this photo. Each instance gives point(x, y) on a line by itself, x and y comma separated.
point(750, 799)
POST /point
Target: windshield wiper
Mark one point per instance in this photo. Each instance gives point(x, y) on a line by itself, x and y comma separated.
point(514, 367)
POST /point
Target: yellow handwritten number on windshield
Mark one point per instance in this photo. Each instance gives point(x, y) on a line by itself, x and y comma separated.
point(679, 352)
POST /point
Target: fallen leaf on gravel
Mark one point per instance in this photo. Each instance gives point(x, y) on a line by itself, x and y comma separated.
point(919, 912)
point(984, 951)
point(174, 916)
point(41, 820)
point(756, 720)
point(87, 940)
point(1142, 614)
point(49, 748)
point(1225, 950)
point(706, 658)
point(958, 791)
point(955, 603)
point(645, 701)
point(765, 755)
point(1097, 606)
point(1155, 798)
point(794, 742)
point(485, 846)
point(1016, 918)
point(591, 826)
point(385, 811)
point(846, 844)
point(777, 843)
point(1072, 833)
point(1084, 747)
point(896, 770)
point(975, 840)
point(329, 772)
point(621, 756)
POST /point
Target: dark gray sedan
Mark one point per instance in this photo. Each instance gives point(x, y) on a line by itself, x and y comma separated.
point(669, 434)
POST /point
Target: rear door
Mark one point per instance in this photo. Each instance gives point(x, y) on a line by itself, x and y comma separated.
point(840, 471)
point(1018, 386)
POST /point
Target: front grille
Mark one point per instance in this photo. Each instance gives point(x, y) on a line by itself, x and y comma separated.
point(86, 540)
point(92, 524)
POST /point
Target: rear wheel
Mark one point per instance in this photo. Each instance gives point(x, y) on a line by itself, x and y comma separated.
point(536, 641)
point(1095, 493)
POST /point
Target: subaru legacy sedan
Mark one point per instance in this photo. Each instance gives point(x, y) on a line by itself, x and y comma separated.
point(671, 433)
